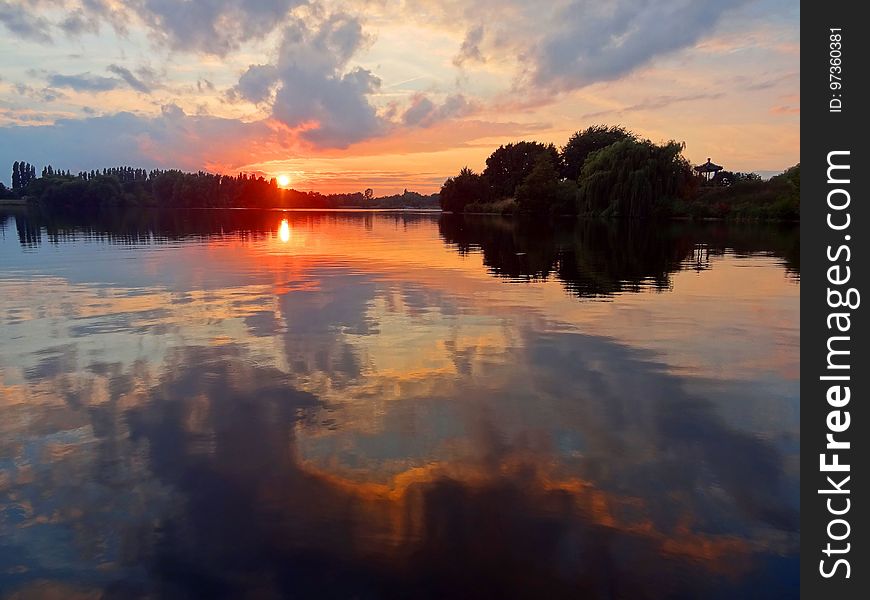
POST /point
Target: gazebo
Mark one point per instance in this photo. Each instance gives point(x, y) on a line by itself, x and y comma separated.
point(708, 170)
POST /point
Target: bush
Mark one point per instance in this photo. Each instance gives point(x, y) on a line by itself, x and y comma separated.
point(751, 199)
point(505, 206)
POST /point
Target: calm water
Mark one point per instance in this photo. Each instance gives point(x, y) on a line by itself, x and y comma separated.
point(255, 404)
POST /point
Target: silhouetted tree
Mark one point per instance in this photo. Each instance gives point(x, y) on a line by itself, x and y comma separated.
point(538, 192)
point(509, 165)
point(370, 193)
point(467, 187)
point(22, 174)
point(583, 143)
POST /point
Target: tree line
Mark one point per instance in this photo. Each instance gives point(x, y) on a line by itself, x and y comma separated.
point(173, 188)
point(607, 170)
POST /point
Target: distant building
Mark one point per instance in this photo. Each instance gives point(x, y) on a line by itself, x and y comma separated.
point(708, 170)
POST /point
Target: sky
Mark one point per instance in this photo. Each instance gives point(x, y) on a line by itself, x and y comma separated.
point(389, 94)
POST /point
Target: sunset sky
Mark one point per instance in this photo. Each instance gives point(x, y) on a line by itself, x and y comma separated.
point(388, 94)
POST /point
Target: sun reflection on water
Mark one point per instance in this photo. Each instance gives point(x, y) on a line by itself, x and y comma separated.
point(284, 232)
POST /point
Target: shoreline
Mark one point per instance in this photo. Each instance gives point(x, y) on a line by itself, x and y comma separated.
point(19, 203)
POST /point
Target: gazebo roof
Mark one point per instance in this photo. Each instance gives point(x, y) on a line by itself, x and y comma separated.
point(708, 167)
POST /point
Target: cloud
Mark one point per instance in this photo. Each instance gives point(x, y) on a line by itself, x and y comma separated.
point(115, 13)
point(134, 82)
point(87, 82)
point(786, 110)
point(589, 41)
point(323, 85)
point(470, 49)
point(211, 26)
point(756, 83)
point(256, 84)
point(654, 103)
point(208, 26)
point(77, 23)
point(171, 139)
point(84, 82)
point(317, 93)
point(22, 22)
point(423, 112)
point(40, 95)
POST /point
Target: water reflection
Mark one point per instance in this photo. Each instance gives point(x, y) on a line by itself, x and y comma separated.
point(284, 231)
point(601, 258)
point(371, 413)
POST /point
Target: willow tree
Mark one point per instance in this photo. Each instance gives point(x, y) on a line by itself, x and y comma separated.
point(633, 178)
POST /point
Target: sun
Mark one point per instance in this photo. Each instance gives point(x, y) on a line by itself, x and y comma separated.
point(283, 180)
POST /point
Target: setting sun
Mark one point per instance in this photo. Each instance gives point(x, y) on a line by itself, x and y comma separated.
point(283, 180)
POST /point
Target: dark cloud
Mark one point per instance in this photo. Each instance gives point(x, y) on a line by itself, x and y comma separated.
point(208, 26)
point(41, 95)
point(204, 85)
point(316, 86)
point(211, 26)
point(22, 22)
point(423, 112)
point(256, 84)
point(84, 82)
point(140, 85)
point(253, 494)
point(76, 23)
point(470, 49)
point(316, 91)
point(116, 14)
point(591, 41)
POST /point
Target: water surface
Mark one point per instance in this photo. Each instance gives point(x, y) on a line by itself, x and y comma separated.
point(229, 404)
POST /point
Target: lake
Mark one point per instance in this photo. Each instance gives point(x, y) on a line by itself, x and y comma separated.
point(264, 404)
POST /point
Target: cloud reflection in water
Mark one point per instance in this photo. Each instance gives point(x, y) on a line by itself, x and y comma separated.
point(323, 426)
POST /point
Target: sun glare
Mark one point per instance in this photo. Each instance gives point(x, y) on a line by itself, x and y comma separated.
point(284, 231)
point(283, 180)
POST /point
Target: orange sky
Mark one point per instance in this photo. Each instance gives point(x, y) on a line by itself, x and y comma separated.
point(341, 96)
